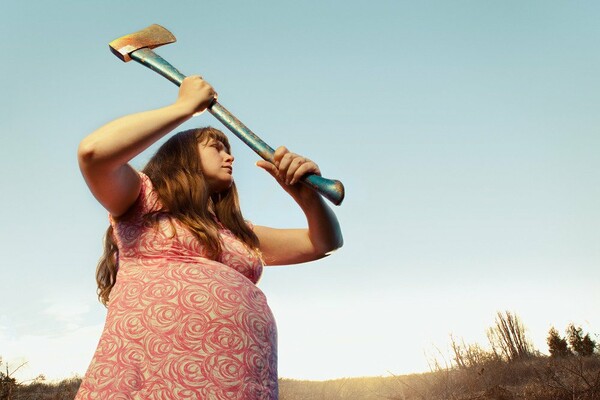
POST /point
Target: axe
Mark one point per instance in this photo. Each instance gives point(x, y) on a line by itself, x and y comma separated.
point(138, 46)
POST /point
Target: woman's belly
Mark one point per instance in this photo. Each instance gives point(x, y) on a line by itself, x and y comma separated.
point(195, 327)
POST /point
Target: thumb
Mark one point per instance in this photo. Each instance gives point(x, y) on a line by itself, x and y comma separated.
point(267, 166)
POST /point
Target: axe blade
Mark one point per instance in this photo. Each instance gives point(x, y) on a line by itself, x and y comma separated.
point(150, 37)
point(138, 46)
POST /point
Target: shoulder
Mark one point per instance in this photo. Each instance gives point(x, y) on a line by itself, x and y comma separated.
point(147, 200)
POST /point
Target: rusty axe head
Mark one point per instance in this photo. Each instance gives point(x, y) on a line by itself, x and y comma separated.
point(150, 37)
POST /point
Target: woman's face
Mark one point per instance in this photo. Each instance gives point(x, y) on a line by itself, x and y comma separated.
point(216, 164)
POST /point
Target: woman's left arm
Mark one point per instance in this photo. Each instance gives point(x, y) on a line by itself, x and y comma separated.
point(293, 246)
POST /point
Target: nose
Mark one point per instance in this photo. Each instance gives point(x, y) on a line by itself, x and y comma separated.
point(229, 157)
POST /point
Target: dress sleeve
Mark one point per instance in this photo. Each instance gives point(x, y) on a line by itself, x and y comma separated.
point(146, 202)
point(148, 199)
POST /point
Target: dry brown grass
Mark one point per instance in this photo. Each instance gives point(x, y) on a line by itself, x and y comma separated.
point(537, 378)
point(65, 389)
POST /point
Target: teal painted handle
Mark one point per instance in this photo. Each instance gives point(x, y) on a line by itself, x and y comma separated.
point(333, 190)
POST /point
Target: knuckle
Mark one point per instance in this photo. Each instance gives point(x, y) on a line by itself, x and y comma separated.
point(279, 152)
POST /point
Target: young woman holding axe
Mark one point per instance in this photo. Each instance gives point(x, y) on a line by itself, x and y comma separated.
point(185, 318)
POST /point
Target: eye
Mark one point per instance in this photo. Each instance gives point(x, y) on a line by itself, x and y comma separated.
point(219, 146)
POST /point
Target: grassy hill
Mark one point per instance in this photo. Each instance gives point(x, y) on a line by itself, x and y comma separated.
point(537, 378)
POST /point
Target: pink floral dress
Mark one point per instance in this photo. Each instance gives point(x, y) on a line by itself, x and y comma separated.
point(179, 325)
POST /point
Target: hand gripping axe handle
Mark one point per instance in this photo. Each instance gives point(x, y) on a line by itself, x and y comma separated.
point(138, 46)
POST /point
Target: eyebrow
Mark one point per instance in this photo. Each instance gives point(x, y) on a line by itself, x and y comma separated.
point(212, 141)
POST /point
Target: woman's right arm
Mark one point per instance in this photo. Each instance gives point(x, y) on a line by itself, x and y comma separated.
point(104, 155)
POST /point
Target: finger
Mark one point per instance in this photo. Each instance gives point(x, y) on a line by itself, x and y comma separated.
point(267, 166)
point(193, 78)
point(285, 163)
point(295, 163)
point(278, 155)
point(306, 168)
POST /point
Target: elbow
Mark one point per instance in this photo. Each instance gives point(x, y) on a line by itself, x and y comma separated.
point(338, 244)
point(91, 155)
point(331, 246)
point(86, 152)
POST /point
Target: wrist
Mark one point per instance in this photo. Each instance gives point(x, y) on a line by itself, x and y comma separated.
point(303, 195)
point(183, 109)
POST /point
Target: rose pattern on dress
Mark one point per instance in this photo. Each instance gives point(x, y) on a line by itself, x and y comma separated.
point(179, 325)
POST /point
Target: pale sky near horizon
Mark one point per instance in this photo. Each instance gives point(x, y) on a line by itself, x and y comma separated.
point(466, 134)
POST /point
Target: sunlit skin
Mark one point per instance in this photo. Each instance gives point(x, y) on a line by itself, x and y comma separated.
point(216, 164)
point(104, 159)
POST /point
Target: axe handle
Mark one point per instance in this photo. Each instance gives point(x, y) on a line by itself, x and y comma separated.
point(333, 190)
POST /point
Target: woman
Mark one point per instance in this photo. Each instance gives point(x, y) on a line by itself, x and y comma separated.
point(185, 319)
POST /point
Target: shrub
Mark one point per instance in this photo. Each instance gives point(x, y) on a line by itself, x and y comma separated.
point(557, 346)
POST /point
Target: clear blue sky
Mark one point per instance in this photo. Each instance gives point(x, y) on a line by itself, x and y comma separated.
point(466, 133)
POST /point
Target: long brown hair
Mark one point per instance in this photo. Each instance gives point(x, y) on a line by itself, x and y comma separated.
point(177, 178)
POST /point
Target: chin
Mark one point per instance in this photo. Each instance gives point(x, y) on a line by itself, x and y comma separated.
point(223, 187)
